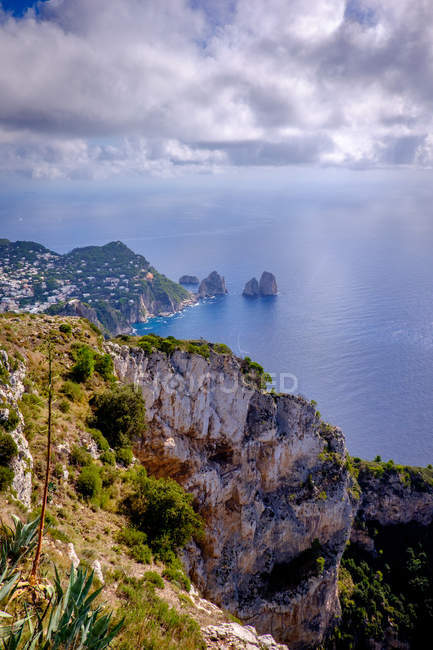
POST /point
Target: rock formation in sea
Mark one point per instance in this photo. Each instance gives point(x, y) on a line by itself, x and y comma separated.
point(251, 288)
point(213, 285)
point(269, 478)
point(189, 279)
point(268, 284)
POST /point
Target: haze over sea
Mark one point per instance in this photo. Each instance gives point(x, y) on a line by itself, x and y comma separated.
point(353, 321)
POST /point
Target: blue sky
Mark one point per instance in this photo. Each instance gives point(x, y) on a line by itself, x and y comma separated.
point(102, 89)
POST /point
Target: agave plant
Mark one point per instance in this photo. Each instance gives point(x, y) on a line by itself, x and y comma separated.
point(65, 618)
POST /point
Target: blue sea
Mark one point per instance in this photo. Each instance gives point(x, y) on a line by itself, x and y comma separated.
point(352, 325)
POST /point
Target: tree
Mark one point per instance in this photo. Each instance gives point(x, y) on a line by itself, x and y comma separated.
point(120, 414)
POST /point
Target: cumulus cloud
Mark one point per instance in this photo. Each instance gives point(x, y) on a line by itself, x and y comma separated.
point(163, 86)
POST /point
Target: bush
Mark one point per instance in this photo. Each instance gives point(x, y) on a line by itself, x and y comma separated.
point(163, 510)
point(73, 391)
point(120, 414)
point(84, 365)
point(124, 456)
point(8, 448)
point(6, 478)
point(177, 577)
point(153, 578)
point(64, 406)
point(222, 348)
point(12, 422)
point(104, 365)
point(136, 541)
point(100, 440)
point(108, 457)
point(80, 457)
point(89, 483)
point(65, 328)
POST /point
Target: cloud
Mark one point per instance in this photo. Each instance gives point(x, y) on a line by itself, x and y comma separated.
point(101, 88)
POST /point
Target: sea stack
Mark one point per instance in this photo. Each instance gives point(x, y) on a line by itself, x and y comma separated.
point(189, 279)
point(213, 285)
point(251, 288)
point(268, 284)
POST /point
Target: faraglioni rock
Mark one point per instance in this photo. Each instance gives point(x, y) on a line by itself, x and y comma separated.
point(251, 288)
point(189, 279)
point(213, 285)
point(269, 478)
point(268, 284)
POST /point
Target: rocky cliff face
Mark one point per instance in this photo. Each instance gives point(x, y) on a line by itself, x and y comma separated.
point(269, 478)
point(268, 284)
point(189, 279)
point(213, 285)
point(11, 392)
point(251, 288)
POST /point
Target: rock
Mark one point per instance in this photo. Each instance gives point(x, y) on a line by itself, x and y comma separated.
point(189, 279)
point(10, 394)
point(268, 284)
point(97, 569)
point(213, 285)
point(73, 557)
point(232, 635)
point(256, 464)
point(251, 288)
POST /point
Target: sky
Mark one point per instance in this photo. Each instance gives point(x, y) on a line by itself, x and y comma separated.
point(101, 90)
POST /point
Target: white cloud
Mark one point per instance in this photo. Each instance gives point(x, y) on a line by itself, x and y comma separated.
point(160, 86)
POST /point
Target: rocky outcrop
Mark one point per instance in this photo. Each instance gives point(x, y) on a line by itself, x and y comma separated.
point(251, 288)
point(113, 321)
point(213, 285)
point(11, 391)
point(232, 635)
point(268, 477)
point(189, 279)
point(268, 284)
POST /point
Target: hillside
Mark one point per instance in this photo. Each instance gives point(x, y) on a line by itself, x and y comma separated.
point(272, 485)
point(110, 285)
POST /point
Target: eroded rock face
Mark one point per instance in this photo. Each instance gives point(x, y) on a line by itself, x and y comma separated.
point(189, 279)
point(268, 284)
point(10, 393)
point(213, 285)
point(251, 288)
point(269, 479)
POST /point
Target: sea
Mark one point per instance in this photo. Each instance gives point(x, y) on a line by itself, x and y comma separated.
point(352, 324)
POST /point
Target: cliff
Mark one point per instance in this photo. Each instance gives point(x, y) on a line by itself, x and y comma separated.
point(268, 284)
point(213, 285)
point(251, 288)
point(269, 478)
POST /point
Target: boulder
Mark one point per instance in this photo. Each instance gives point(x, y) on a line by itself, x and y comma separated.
point(189, 279)
point(251, 288)
point(213, 285)
point(268, 284)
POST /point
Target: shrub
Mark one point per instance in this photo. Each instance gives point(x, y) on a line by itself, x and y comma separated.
point(136, 541)
point(203, 350)
point(153, 578)
point(120, 414)
point(177, 577)
point(163, 510)
point(108, 457)
point(84, 365)
point(8, 448)
point(222, 348)
point(104, 365)
point(124, 456)
point(320, 562)
point(100, 440)
point(108, 475)
point(6, 478)
point(73, 391)
point(80, 457)
point(4, 374)
point(89, 482)
point(64, 406)
point(65, 328)
point(12, 422)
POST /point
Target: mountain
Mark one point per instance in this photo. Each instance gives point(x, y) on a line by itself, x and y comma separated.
point(298, 539)
point(110, 285)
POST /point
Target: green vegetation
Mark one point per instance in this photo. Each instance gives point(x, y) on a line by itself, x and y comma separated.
point(255, 373)
point(84, 364)
point(4, 373)
point(89, 482)
point(124, 456)
point(388, 593)
point(6, 478)
point(79, 456)
point(163, 511)
point(8, 448)
point(177, 577)
point(73, 391)
point(65, 328)
point(150, 623)
point(153, 578)
point(136, 542)
point(12, 421)
point(120, 414)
